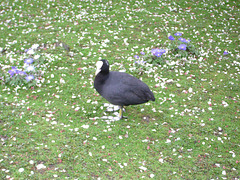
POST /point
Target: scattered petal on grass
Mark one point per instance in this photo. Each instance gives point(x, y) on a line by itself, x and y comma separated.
point(35, 46)
point(161, 160)
point(143, 168)
point(37, 56)
point(168, 141)
point(233, 154)
point(30, 68)
point(152, 175)
point(40, 166)
point(21, 170)
point(85, 126)
point(178, 85)
point(62, 81)
point(30, 51)
point(141, 62)
point(31, 162)
point(225, 104)
point(190, 90)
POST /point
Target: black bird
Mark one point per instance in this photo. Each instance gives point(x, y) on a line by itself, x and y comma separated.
point(120, 88)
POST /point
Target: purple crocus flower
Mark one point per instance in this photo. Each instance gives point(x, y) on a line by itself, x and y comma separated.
point(142, 53)
point(153, 51)
point(178, 34)
point(183, 40)
point(13, 71)
point(29, 78)
point(28, 61)
point(162, 51)
point(171, 38)
point(182, 47)
point(225, 53)
point(158, 54)
point(136, 56)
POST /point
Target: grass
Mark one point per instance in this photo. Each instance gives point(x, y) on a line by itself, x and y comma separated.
point(185, 134)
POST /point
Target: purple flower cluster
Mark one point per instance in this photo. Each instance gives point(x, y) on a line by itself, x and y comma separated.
point(158, 52)
point(14, 71)
point(182, 44)
point(139, 61)
point(183, 40)
point(30, 68)
point(155, 52)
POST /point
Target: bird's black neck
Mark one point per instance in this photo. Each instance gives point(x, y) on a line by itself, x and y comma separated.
point(101, 78)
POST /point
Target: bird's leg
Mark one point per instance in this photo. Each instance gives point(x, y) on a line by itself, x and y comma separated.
point(121, 113)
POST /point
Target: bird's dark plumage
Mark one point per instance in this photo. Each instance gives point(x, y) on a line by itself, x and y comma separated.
point(120, 88)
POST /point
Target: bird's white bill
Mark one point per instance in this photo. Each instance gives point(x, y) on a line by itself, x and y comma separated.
point(99, 65)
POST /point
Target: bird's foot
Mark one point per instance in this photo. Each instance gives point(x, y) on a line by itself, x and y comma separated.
point(124, 117)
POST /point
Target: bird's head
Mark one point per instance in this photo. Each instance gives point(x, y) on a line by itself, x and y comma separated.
point(102, 66)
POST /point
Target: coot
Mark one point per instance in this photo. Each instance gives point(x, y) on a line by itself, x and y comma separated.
point(120, 88)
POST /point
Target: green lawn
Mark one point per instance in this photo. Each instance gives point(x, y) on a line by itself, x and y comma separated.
point(60, 129)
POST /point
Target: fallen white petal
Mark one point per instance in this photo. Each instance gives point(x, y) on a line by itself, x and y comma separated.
point(40, 166)
point(85, 126)
point(152, 175)
point(21, 170)
point(143, 168)
point(168, 141)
